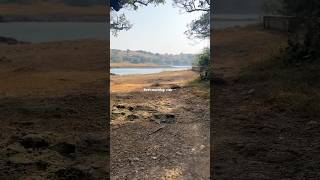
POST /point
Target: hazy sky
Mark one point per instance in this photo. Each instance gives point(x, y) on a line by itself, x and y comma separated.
point(158, 29)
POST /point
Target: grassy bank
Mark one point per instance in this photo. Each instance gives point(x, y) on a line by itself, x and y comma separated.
point(294, 88)
point(201, 88)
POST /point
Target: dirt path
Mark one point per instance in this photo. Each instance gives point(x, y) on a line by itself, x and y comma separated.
point(166, 148)
point(253, 140)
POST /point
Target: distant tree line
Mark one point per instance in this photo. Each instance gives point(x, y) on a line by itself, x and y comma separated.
point(137, 57)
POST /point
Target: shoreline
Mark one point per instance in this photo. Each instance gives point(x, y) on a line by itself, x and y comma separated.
point(118, 67)
point(131, 65)
point(131, 82)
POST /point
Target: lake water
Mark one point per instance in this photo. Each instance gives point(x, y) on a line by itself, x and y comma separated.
point(127, 71)
point(54, 31)
point(37, 32)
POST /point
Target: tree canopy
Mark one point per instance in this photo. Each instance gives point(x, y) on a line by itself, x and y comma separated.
point(119, 21)
point(198, 28)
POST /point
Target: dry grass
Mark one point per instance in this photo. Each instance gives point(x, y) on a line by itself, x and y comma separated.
point(200, 88)
point(51, 68)
point(128, 83)
point(294, 88)
point(237, 47)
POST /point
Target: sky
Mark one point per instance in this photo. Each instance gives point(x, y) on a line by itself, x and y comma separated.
point(158, 29)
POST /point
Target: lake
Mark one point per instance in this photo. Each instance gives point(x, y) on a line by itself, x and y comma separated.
point(127, 71)
point(37, 32)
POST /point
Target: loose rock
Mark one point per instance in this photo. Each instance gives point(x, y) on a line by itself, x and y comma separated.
point(164, 117)
point(71, 173)
point(64, 148)
point(132, 117)
point(175, 86)
point(34, 141)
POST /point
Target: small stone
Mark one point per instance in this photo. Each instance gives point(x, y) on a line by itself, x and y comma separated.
point(22, 159)
point(313, 123)
point(92, 144)
point(34, 141)
point(175, 86)
point(72, 173)
point(251, 91)
point(132, 117)
point(155, 85)
point(120, 106)
point(118, 113)
point(259, 176)
point(64, 148)
point(154, 157)
point(164, 117)
point(279, 157)
point(130, 108)
point(42, 165)
point(17, 148)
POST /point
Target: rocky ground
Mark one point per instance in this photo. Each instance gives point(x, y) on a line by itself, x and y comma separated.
point(53, 110)
point(160, 135)
point(254, 140)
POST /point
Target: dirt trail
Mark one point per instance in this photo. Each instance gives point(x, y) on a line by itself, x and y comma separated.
point(253, 140)
point(142, 148)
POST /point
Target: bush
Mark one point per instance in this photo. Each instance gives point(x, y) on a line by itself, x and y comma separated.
point(203, 60)
point(304, 45)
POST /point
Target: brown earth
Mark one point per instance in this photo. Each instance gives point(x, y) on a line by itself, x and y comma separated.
point(159, 135)
point(254, 140)
point(53, 110)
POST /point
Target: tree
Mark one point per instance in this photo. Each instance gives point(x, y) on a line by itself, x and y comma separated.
point(198, 28)
point(301, 8)
point(203, 60)
point(304, 41)
point(273, 6)
point(119, 22)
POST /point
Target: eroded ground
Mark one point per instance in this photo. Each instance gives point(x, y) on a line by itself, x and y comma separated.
point(159, 135)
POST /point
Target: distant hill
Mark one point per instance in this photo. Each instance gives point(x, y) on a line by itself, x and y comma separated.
point(67, 2)
point(138, 57)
